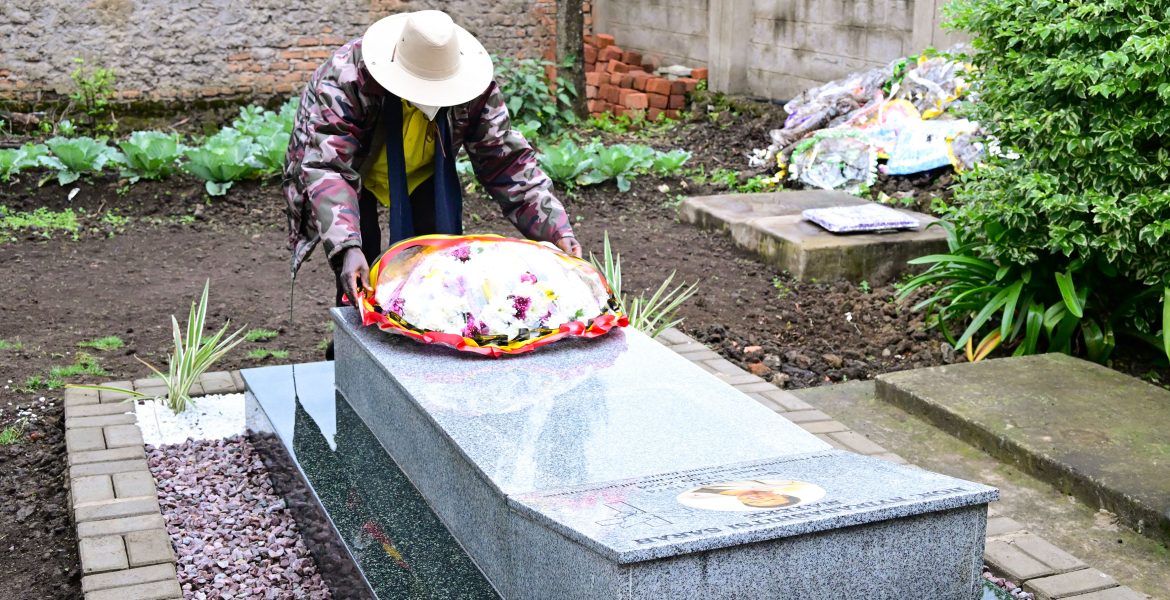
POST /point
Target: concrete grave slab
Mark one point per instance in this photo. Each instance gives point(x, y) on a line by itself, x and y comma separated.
point(1087, 429)
point(770, 225)
point(591, 469)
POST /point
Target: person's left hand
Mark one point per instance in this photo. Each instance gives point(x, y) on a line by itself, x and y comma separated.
point(569, 245)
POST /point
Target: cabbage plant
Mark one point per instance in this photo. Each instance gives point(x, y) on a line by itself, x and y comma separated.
point(223, 159)
point(150, 155)
point(564, 162)
point(74, 157)
point(15, 160)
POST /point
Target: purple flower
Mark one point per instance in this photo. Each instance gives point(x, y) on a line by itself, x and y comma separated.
point(529, 277)
point(472, 328)
point(463, 253)
point(397, 303)
point(521, 304)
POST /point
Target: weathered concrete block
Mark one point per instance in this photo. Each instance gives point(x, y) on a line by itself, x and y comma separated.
point(118, 507)
point(148, 547)
point(723, 211)
point(128, 577)
point(84, 439)
point(94, 488)
point(134, 484)
point(120, 526)
point(105, 553)
point(155, 590)
point(121, 436)
point(218, 382)
point(1069, 584)
point(93, 456)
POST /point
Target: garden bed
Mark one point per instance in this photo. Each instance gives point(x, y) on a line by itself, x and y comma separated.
point(125, 276)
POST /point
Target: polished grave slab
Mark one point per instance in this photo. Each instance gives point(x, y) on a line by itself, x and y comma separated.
point(615, 468)
point(370, 531)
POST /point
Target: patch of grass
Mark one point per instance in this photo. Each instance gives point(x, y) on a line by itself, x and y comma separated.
point(42, 220)
point(12, 434)
point(105, 344)
point(323, 345)
point(83, 364)
point(36, 383)
point(7, 345)
point(780, 286)
point(264, 353)
point(260, 335)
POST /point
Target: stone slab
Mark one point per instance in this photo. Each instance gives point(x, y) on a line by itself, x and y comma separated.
point(98, 554)
point(93, 456)
point(218, 382)
point(84, 439)
point(116, 579)
point(725, 210)
point(1069, 584)
point(95, 488)
point(496, 445)
point(118, 507)
point(122, 436)
point(807, 251)
point(148, 547)
point(120, 525)
point(137, 483)
point(1090, 431)
point(155, 590)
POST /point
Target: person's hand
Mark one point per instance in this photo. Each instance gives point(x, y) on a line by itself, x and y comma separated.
point(569, 245)
point(354, 274)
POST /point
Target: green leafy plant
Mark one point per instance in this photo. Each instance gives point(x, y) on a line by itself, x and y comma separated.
point(104, 344)
point(193, 354)
point(12, 434)
point(260, 335)
point(269, 132)
point(10, 345)
point(669, 163)
point(564, 162)
point(15, 160)
point(618, 162)
point(83, 364)
point(223, 159)
point(264, 353)
point(42, 220)
point(93, 93)
point(651, 315)
point(150, 155)
point(74, 157)
point(1066, 221)
point(864, 287)
point(533, 97)
point(782, 288)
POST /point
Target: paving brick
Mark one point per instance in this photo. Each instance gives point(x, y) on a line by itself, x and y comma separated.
point(148, 382)
point(824, 437)
point(155, 590)
point(891, 457)
point(239, 380)
point(762, 386)
point(100, 421)
point(725, 366)
point(217, 382)
point(120, 436)
point(1041, 550)
point(787, 400)
point(93, 456)
point(699, 355)
point(807, 416)
point(741, 378)
point(108, 468)
point(118, 507)
point(80, 397)
point(1117, 593)
point(134, 484)
point(855, 441)
point(111, 396)
point(1069, 584)
point(84, 439)
point(116, 579)
point(1007, 560)
point(153, 392)
point(149, 547)
point(95, 488)
point(821, 426)
point(97, 410)
point(120, 526)
point(1002, 525)
point(99, 554)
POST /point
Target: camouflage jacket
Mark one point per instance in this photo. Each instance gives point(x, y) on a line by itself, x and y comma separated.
point(336, 137)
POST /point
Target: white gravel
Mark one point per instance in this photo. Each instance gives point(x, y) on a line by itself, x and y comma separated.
point(206, 418)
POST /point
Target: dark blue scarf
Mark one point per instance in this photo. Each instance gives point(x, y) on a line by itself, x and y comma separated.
point(448, 196)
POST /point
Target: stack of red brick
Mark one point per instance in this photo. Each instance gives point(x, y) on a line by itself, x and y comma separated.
point(623, 82)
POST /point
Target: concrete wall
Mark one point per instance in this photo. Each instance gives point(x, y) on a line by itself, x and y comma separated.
point(774, 48)
point(206, 49)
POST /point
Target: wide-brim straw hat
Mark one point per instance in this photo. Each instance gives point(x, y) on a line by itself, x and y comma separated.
point(425, 58)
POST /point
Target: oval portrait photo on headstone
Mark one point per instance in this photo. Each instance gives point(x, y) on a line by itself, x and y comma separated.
point(756, 494)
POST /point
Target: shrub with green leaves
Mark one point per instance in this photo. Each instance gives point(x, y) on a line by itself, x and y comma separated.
point(1077, 206)
point(619, 162)
point(150, 155)
point(222, 160)
point(533, 97)
point(269, 132)
point(15, 160)
point(669, 163)
point(74, 157)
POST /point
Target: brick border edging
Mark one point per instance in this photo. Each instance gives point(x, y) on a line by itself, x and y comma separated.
point(122, 539)
point(1023, 557)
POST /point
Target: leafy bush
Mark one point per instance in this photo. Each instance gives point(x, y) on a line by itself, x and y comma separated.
point(73, 157)
point(669, 163)
point(269, 132)
point(532, 97)
point(564, 162)
point(223, 159)
point(95, 90)
point(15, 160)
point(1077, 207)
point(150, 155)
point(619, 162)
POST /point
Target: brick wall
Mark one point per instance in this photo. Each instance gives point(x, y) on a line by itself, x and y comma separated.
point(774, 48)
point(168, 50)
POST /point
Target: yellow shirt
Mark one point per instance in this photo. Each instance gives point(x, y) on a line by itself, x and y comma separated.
point(418, 143)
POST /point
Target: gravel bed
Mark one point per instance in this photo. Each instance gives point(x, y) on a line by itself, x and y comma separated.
point(1010, 587)
point(233, 536)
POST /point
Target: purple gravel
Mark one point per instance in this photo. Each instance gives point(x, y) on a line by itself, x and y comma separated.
point(232, 533)
point(1007, 586)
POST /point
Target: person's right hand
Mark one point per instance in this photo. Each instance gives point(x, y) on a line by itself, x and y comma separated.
point(355, 275)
